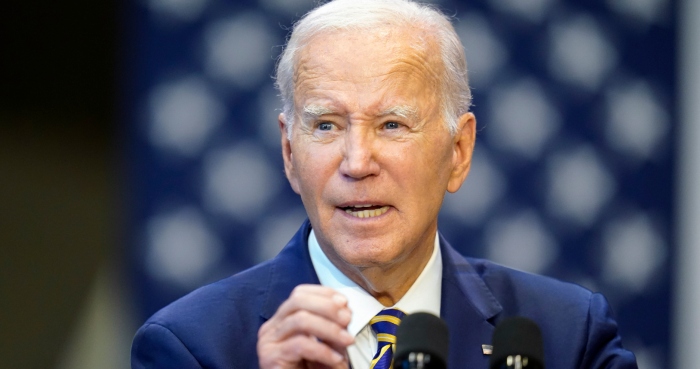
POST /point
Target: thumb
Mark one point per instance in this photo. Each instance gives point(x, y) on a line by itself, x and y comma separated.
point(343, 364)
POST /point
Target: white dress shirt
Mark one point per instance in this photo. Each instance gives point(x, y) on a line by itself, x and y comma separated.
point(424, 295)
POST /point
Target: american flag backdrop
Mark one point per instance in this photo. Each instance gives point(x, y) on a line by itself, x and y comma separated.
point(572, 174)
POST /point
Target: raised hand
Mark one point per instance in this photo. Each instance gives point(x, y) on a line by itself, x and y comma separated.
point(309, 330)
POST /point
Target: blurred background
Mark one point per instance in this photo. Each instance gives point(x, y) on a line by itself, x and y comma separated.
point(140, 159)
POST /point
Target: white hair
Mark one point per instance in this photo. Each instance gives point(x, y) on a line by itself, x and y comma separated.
point(343, 15)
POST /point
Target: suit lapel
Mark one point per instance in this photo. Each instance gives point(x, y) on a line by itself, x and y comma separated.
point(290, 268)
point(467, 305)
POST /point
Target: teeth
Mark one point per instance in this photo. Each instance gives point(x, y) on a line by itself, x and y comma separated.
point(367, 213)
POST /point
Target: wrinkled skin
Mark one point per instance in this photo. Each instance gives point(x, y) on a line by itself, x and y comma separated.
point(369, 132)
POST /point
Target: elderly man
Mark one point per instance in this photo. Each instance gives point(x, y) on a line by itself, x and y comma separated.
point(375, 128)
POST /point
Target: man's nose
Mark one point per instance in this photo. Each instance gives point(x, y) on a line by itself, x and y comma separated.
point(359, 155)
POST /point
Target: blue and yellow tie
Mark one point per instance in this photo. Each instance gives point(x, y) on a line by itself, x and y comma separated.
point(385, 324)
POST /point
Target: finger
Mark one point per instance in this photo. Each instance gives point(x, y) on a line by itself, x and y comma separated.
point(318, 300)
point(304, 348)
point(345, 363)
point(322, 308)
point(290, 353)
point(306, 323)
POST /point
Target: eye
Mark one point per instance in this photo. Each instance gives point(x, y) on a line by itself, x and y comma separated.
point(325, 126)
point(391, 125)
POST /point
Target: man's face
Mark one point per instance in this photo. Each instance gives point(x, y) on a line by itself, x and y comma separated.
point(370, 154)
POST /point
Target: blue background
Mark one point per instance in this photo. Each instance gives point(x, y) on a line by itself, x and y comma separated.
point(572, 174)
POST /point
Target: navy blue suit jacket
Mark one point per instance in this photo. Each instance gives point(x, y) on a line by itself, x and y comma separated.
point(216, 326)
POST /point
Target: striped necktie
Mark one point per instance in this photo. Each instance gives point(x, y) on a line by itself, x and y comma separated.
point(385, 324)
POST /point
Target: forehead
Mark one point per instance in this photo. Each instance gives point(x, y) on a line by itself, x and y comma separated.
point(397, 63)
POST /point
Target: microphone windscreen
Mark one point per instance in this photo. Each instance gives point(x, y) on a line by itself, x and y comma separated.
point(517, 336)
point(422, 333)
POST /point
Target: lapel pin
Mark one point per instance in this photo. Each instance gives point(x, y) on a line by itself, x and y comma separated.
point(487, 349)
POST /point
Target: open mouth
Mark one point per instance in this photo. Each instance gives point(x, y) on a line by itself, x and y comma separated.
point(365, 211)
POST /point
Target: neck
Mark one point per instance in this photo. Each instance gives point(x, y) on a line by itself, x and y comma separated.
point(389, 283)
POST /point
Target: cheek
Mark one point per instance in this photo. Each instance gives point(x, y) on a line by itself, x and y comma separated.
point(314, 168)
point(426, 172)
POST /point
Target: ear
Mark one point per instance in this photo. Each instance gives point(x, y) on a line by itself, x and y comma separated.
point(463, 147)
point(287, 155)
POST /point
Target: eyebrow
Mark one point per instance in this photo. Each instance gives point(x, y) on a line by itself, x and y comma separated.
point(312, 112)
point(403, 111)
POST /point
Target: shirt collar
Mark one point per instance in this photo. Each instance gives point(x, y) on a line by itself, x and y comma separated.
point(424, 294)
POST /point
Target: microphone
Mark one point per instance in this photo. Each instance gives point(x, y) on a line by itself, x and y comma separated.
point(517, 344)
point(422, 342)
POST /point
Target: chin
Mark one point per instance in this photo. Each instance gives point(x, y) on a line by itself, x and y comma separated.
point(361, 257)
